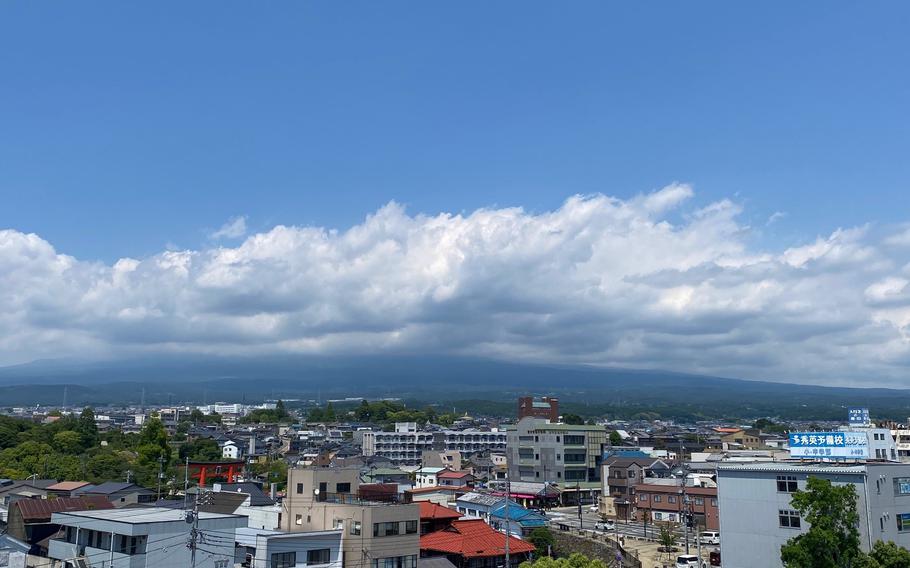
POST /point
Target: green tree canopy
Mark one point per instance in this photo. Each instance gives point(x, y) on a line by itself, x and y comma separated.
point(575, 560)
point(832, 540)
point(615, 438)
point(542, 539)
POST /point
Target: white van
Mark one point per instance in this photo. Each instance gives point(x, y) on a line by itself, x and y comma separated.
point(687, 561)
point(710, 537)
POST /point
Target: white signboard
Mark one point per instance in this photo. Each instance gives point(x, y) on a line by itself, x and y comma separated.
point(853, 445)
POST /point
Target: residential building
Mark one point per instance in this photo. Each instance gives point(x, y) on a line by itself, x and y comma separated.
point(546, 408)
point(471, 543)
point(136, 538)
point(68, 488)
point(13, 552)
point(406, 445)
point(621, 475)
point(434, 517)
point(120, 494)
point(566, 454)
point(665, 500)
point(257, 548)
point(427, 476)
point(757, 516)
point(30, 519)
point(455, 478)
point(375, 533)
point(739, 438)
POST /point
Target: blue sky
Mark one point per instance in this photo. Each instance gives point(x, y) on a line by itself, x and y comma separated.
point(346, 177)
point(129, 126)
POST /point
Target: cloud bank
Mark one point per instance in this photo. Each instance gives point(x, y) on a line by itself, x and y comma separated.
point(648, 282)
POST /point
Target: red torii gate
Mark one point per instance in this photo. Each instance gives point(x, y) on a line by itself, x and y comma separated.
point(199, 470)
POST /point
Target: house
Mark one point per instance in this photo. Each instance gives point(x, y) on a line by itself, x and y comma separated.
point(30, 519)
point(739, 438)
point(471, 543)
point(143, 537)
point(439, 494)
point(520, 521)
point(528, 494)
point(257, 548)
point(11, 491)
point(231, 450)
point(13, 552)
point(621, 475)
point(449, 478)
point(667, 502)
point(261, 510)
point(426, 476)
point(68, 488)
point(435, 517)
point(388, 475)
point(119, 493)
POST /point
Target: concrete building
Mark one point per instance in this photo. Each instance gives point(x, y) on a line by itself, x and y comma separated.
point(620, 477)
point(406, 445)
point(665, 500)
point(136, 538)
point(546, 408)
point(565, 454)
point(375, 534)
point(756, 515)
point(259, 548)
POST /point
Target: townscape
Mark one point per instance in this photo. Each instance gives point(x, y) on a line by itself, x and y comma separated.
point(347, 485)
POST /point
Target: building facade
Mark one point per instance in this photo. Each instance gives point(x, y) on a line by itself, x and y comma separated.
point(375, 534)
point(546, 408)
point(757, 517)
point(406, 445)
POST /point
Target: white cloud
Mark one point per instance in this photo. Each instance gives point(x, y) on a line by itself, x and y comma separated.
point(234, 228)
point(775, 217)
point(599, 280)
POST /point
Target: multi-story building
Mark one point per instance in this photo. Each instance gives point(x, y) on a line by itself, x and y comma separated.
point(375, 534)
point(405, 446)
point(546, 408)
point(143, 537)
point(620, 477)
point(757, 517)
point(665, 500)
point(566, 454)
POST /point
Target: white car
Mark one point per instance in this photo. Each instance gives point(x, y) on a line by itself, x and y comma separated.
point(607, 525)
point(594, 508)
point(687, 561)
point(710, 537)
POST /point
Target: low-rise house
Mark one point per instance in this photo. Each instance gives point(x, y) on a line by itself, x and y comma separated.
point(669, 502)
point(120, 493)
point(13, 552)
point(452, 478)
point(621, 475)
point(144, 537)
point(472, 543)
point(30, 519)
point(257, 548)
point(68, 488)
point(427, 476)
point(520, 521)
point(435, 517)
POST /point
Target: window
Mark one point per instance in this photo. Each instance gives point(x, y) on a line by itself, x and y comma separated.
point(342, 488)
point(657, 516)
point(786, 484)
point(903, 522)
point(575, 440)
point(410, 527)
point(902, 485)
point(396, 562)
point(298, 519)
point(558, 474)
point(284, 559)
point(385, 529)
point(671, 498)
point(355, 527)
point(642, 497)
point(788, 519)
point(714, 502)
point(631, 474)
point(699, 500)
point(656, 498)
point(300, 489)
point(318, 556)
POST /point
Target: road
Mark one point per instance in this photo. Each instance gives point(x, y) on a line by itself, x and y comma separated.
point(569, 516)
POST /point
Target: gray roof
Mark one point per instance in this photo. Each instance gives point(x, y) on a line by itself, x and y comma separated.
point(138, 517)
point(257, 496)
point(797, 467)
point(9, 543)
point(111, 487)
point(481, 498)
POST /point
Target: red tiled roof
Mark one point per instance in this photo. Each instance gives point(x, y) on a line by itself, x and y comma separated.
point(430, 510)
point(40, 510)
point(449, 474)
point(472, 539)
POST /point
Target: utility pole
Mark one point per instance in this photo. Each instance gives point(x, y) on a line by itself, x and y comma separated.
point(508, 498)
point(202, 498)
point(578, 498)
point(160, 475)
point(186, 481)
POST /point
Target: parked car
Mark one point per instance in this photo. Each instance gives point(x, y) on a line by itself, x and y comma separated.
point(687, 561)
point(710, 537)
point(595, 508)
point(607, 525)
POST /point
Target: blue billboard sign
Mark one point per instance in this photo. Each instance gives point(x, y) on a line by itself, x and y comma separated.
point(853, 445)
point(858, 416)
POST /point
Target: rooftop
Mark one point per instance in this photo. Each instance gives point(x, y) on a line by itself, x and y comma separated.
point(144, 516)
point(430, 510)
point(472, 539)
point(809, 467)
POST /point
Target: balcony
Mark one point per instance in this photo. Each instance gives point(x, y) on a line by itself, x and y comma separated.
point(62, 550)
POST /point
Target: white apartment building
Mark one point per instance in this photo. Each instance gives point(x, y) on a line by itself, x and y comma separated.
point(405, 446)
point(756, 515)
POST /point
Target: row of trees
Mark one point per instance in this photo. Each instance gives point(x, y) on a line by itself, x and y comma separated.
point(384, 412)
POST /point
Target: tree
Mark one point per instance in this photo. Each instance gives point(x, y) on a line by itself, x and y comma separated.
point(573, 419)
point(832, 540)
point(615, 438)
point(280, 410)
point(574, 560)
point(889, 555)
point(329, 414)
point(667, 539)
point(87, 428)
point(203, 449)
point(68, 442)
point(542, 539)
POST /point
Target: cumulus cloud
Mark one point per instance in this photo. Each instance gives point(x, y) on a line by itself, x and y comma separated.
point(234, 228)
point(599, 280)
